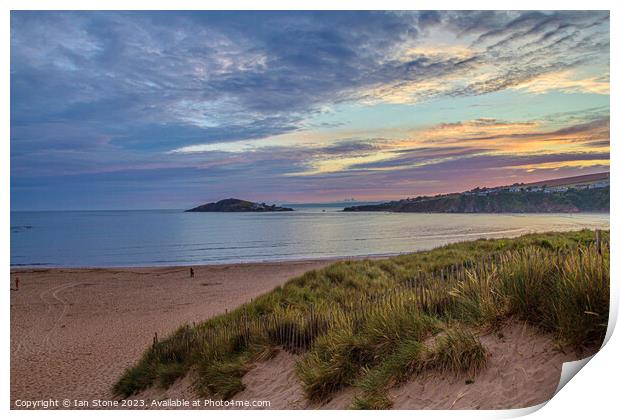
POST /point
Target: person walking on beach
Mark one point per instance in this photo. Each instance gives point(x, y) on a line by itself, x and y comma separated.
point(16, 283)
point(191, 272)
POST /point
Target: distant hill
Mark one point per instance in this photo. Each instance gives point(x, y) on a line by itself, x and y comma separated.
point(572, 181)
point(235, 205)
point(567, 195)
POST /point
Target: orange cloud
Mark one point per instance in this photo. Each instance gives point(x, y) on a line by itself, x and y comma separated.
point(566, 81)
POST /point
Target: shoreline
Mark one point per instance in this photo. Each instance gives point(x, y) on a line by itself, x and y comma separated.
point(41, 269)
point(75, 331)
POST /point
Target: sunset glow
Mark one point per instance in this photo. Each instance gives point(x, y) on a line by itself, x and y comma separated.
point(165, 110)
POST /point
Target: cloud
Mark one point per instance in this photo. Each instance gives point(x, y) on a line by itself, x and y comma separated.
point(98, 92)
point(565, 81)
point(223, 72)
point(450, 143)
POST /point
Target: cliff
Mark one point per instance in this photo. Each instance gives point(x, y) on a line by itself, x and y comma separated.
point(570, 201)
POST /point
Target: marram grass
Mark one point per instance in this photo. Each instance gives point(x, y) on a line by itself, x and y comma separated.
point(366, 322)
point(456, 351)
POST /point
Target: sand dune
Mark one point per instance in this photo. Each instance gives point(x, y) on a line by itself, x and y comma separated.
point(523, 370)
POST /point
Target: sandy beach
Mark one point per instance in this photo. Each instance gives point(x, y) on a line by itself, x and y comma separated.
point(74, 331)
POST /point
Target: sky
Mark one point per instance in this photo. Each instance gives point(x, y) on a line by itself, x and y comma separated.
point(150, 110)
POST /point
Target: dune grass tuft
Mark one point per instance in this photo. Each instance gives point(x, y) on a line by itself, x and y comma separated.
point(407, 360)
point(457, 351)
point(339, 356)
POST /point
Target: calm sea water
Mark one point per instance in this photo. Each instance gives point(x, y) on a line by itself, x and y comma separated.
point(171, 237)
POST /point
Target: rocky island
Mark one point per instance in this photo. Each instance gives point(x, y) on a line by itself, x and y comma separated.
point(234, 205)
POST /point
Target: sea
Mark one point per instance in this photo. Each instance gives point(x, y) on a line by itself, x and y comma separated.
point(141, 238)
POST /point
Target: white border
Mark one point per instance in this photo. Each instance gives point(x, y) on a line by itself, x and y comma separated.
point(592, 394)
point(306, 5)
